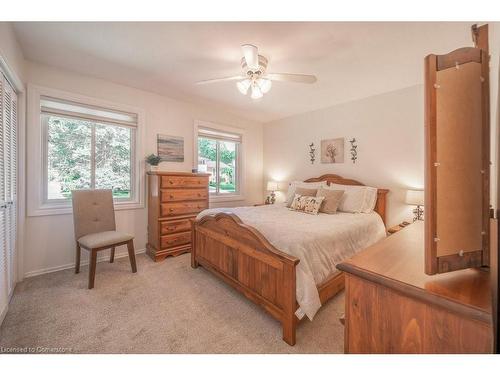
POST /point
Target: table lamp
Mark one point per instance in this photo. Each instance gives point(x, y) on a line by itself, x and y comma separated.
point(416, 198)
point(272, 186)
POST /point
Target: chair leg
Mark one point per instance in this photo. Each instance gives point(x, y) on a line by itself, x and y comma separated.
point(92, 266)
point(112, 256)
point(77, 261)
point(131, 255)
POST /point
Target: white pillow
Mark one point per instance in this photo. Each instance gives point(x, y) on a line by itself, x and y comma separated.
point(356, 198)
point(308, 185)
point(370, 199)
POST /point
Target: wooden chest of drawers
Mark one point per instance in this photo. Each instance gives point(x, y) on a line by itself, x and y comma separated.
point(174, 198)
point(392, 306)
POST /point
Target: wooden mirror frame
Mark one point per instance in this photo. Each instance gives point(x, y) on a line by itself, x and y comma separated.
point(434, 63)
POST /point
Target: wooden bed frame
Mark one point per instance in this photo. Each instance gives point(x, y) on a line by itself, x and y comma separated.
point(244, 259)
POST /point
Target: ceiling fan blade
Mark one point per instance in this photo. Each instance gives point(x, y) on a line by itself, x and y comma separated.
point(289, 77)
point(215, 80)
point(251, 56)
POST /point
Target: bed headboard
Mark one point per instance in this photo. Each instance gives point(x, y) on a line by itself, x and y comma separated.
point(380, 206)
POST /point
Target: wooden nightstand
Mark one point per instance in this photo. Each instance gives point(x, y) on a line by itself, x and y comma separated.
point(397, 228)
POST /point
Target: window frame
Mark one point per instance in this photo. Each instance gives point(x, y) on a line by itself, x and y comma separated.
point(45, 156)
point(240, 158)
point(38, 203)
point(237, 157)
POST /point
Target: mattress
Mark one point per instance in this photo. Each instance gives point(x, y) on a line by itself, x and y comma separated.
point(320, 242)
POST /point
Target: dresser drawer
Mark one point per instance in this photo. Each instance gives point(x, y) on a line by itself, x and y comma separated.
point(183, 208)
point(173, 195)
point(174, 240)
point(183, 181)
point(169, 227)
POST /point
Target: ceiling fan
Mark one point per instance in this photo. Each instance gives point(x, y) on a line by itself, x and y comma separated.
point(254, 76)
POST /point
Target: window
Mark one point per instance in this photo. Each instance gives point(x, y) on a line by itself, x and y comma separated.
point(87, 147)
point(219, 154)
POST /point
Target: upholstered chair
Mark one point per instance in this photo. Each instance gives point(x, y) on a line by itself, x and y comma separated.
point(95, 229)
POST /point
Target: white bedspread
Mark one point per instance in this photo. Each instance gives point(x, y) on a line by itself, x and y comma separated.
point(319, 241)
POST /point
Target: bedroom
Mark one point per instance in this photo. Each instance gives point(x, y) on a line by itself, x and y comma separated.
point(194, 145)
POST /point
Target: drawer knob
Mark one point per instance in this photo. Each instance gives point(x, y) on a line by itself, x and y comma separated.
point(171, 196)
point(170, 182)
point(171, 228)
point(199, 194)
point(171, 210)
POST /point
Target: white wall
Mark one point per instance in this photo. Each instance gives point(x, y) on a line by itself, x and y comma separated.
point(46, 251)
point(10, 49)
point(390, 136)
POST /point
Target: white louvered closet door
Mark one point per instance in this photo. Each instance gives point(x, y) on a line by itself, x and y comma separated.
point(4, 283)
point(8, 190)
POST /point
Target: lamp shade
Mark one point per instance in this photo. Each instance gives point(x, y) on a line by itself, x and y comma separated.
point(243, 86)
point(256, 92)
point(272, 186)
point(415, 197)
point(264, 85)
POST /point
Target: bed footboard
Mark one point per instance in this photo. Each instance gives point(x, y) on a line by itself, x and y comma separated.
point(244, 259)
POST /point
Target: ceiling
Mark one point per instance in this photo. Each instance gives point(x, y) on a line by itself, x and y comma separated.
point(351, 60)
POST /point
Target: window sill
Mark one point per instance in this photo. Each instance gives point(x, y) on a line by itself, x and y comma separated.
point(65, 209)
point(228, 198)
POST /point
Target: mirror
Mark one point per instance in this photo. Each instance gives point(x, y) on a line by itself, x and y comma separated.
point(457, 160)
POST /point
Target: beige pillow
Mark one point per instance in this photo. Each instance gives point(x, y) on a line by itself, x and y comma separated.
point(331, 201)
point(296, 184)
point(304, 192)
point(308, 205)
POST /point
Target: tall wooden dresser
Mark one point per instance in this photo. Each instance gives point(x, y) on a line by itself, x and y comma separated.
point(173, 199)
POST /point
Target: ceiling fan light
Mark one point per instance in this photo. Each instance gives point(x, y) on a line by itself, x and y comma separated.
point(264, 85)
point(256, 92)
point(243, 86)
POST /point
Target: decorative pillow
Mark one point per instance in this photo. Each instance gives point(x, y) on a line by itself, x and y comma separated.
point(356, 198)
point(304, 192)
point(308, 205)
point(307, 185)
point(332, 200)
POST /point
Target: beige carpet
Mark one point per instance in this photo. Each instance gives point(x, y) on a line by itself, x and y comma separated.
point(166, 307)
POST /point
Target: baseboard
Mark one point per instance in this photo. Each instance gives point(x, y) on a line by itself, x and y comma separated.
point(102, 258)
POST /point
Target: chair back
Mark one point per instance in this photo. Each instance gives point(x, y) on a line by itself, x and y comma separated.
point(93, 211)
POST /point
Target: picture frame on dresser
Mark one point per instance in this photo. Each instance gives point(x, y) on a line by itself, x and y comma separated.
point(174, 199)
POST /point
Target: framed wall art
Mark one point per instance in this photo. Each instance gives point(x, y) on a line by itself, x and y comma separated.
point(332, 150)
point(170, 148)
